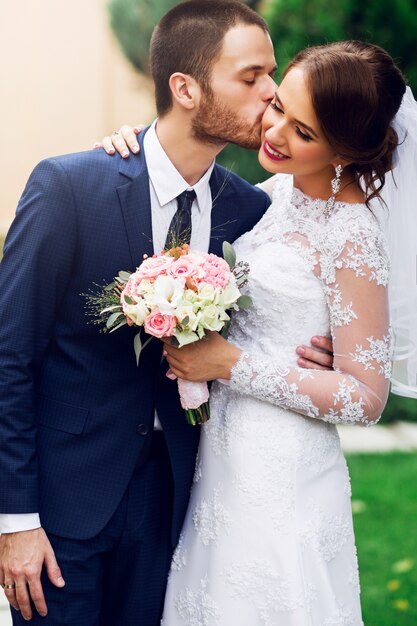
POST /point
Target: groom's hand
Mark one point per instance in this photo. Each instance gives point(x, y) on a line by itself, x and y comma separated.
point(22, 556)
point(319, 356)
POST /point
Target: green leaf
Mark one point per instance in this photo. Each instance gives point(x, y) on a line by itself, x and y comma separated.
point(225, 329)
point(111, 308)
point(128, 300)
point(119, 325)
point(124, 276)
point(137, 344)
point(185, 320)
point(112, 319)
point(147, 341)
point(244, 302)
point(110, 287)
point(229, 254)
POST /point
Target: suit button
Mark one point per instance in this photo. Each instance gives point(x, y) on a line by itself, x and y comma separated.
point(142, 429)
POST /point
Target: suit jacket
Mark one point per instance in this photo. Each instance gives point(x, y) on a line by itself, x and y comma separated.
point(75, 410)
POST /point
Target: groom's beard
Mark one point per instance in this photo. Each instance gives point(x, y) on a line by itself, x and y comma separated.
point(217, 124)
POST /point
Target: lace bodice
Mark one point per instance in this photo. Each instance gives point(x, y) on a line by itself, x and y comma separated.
point(323, 276)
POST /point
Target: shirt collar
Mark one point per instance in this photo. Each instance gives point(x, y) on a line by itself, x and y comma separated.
point(166, 179)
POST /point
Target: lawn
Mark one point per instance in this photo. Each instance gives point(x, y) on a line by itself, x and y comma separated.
point(384, 502)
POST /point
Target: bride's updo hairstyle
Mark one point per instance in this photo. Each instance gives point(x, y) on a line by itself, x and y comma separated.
point(356, 91)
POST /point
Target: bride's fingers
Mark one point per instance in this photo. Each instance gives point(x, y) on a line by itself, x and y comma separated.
point(129, 133)
point(106, 143)
point(119, 144)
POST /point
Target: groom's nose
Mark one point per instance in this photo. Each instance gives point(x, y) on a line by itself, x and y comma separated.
point(268, 88)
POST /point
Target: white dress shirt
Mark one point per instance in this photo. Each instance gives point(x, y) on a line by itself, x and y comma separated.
point(165, 183)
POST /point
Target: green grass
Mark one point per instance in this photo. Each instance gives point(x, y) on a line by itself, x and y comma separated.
point(385, 498)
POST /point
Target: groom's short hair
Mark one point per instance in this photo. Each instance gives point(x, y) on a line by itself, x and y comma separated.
point(189, 38)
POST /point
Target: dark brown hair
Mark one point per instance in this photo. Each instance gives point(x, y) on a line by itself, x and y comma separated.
point(356, 90)
point(189, 39)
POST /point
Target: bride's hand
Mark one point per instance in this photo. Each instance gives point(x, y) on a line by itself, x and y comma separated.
point(208, 359)
point(121, 140)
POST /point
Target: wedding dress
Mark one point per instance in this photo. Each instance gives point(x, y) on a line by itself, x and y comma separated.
point(268, 538)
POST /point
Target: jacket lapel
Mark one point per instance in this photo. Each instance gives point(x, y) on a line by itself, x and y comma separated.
point(224, 212)
point(135, 203)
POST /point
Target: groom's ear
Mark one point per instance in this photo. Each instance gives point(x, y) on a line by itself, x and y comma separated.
point(185, 90)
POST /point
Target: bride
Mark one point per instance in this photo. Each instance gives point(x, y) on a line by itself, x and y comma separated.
point(268, 537)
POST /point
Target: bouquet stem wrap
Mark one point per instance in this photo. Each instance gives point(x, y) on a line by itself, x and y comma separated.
point(194, 400)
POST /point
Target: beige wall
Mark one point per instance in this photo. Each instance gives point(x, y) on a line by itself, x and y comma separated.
point(63, 85)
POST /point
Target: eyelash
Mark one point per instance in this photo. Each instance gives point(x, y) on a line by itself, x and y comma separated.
point(302, 135)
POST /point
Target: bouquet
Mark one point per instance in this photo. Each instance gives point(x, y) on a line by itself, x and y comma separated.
point(181, 294)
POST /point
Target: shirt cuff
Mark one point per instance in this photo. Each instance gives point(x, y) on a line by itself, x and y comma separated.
point(17, 522)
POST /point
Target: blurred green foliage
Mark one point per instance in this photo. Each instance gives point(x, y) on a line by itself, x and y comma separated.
point(132, 22)
point(398, 408)
point(296, 24)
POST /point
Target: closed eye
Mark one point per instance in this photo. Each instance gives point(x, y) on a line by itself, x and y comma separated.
point(303, 136)
point(276, 107)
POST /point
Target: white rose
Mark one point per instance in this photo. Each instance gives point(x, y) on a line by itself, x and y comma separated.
point(209, 318)
point(206, 292)
point(186, 311)
point(146, 286)
point(185, 337)
point(228, 297)
point(136, 312)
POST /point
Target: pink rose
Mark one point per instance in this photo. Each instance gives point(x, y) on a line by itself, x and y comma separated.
point(217, 271)
point(183, 267)
point(154, 266)
point(132, 289)
point(160, 325)
point(129, 290)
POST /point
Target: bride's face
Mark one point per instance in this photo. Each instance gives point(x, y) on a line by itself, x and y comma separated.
point(292, 142)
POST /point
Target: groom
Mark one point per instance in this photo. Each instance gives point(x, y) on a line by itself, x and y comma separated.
point(96, 458)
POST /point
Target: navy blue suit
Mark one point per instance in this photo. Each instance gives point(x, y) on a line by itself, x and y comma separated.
point(76, 413)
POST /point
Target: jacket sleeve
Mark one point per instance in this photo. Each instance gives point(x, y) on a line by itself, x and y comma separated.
point(35, 271)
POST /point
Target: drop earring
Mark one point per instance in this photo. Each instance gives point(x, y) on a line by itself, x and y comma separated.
point(335, 190)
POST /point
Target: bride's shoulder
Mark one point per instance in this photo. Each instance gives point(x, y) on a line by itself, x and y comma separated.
point(357, 231)
point(354, 218)
point(275, 185)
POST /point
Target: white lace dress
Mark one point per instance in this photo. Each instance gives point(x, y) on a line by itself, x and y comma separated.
point(268, 537)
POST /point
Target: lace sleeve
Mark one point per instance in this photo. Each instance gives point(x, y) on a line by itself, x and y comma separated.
point(356, 390)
